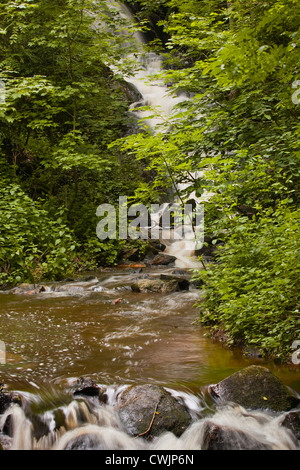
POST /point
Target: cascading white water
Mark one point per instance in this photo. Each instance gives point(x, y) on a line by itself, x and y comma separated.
point(89, 425)
point(155, 94)
point(161, 102)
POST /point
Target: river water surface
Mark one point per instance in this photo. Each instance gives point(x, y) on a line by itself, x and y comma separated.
point(77, 329)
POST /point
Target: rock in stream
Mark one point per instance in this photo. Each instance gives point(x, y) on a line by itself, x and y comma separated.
point(255, 387)
point(149, 410)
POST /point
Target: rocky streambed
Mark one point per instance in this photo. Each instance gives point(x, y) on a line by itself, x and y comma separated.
point(248, 410)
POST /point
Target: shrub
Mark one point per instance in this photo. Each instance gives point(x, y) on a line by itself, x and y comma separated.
point(32, 245)
point(252, 291)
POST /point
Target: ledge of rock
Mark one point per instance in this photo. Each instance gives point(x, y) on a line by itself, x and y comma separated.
point(183, 283)
point(155, 285)
point(164, 284)
point(255, 387)
point(148, 410)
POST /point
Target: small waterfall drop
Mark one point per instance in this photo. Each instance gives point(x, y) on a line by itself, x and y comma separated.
point(156, 95)
point(85, 424)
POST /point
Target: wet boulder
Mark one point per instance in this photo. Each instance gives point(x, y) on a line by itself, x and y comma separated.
point(147, 285)
point(165, 284)
point(130, 91)
point(162, 259)
point(183, 282)
point(153, 250)
point(255, 387)
point(131, 254)
point(148, 411)
point(85, 386)
point(225, 438)
point(7, 399)
point(292, 422)
point(155, 286)
point(29, 289)
point(185, 276)
point(5, 442)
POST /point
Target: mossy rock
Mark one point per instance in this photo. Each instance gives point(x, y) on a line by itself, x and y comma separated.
point(149, 410)
point(6, 399)
point(255, 387)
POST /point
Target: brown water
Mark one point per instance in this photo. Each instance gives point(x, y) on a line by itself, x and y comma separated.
point(75, 330)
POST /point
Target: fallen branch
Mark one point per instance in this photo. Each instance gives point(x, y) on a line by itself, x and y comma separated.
point(151, 424)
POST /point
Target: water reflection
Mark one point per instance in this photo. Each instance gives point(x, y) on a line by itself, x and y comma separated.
point(77, 329)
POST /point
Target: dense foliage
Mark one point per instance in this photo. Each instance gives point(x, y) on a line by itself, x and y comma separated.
point(63, 105)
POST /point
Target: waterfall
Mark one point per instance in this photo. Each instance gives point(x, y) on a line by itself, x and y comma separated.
point(156, 95)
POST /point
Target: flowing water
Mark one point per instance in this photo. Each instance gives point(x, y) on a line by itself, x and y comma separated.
point(100, 328)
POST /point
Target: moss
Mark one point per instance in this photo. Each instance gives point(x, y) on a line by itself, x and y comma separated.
point(255, 387)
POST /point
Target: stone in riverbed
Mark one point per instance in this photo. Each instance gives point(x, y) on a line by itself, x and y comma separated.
point(5, 442)
point(155, 286)
point(182, 282)
point(153, 409)
point(162, 260)
point(7, 398)
point(147, 285)
point(255, 387)
point(87, 387)
point(131, 254)
point(166, 284)
point(224, 438)
point(292, 422)
point(29, 289)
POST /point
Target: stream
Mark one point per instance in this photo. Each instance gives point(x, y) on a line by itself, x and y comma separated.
point(99, 328)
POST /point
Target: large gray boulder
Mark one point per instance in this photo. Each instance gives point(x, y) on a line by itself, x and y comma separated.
point(255, 387)
point(148, 410)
